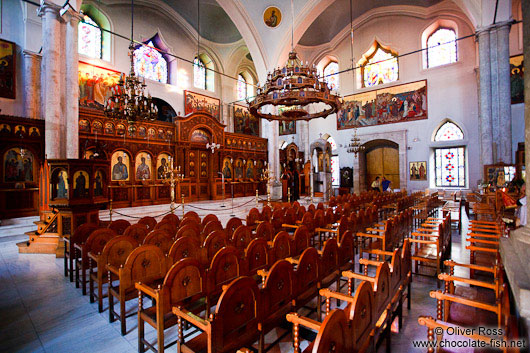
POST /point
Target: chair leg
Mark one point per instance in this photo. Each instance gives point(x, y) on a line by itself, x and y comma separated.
point(76, 274)
point(111, 307)
point(408, 295)
point(91, 286)
point(141, 347)
point(122, 315)
point(83, 277)
point(71, 254)
point(66, 256)
point(100, 294)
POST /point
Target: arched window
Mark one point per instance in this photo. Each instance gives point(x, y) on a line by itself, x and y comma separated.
point(335, 163)
point(331, 76)
point(441, 47)
point(89, 38)
point(241, 87)
point(449, 161)
point(149, 63)
point(378, 66)
point(449, 132)
point(203, 74)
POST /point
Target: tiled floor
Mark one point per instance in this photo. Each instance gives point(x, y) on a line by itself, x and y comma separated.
point(41, 310)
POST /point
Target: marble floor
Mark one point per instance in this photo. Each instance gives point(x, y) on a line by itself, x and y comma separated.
point(41, 311)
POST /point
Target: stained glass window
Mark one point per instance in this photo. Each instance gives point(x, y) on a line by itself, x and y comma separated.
point(381, 67)
point(149, 63)
point(332, 142)
point(335, 171)
point(241, 87)
point(199, 74)
point(441, 47)
point(89, 38)
point(450, 167)
point(449, 132)
point(331, 76)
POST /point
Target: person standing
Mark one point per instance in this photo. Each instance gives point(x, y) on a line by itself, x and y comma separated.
point(385, 184)
point(376, 184)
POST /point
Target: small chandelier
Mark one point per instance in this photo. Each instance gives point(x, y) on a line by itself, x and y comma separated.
point(129, 101)
point(295, 87)
point(355, 145)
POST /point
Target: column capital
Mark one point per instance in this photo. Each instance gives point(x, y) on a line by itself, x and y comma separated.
point(49, 8)
point(31, 54)
point(73, 16)
point(494, 26)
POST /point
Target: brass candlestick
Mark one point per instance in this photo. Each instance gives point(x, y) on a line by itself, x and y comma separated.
point(268, 177)
point(172, 175)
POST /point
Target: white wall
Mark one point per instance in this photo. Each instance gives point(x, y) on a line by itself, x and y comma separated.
point(451, 89)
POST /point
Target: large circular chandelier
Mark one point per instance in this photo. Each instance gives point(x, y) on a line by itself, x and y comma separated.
point(290, 92)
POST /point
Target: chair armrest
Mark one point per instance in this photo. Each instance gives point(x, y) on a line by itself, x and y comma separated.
point(381, 252)
point(351, 275)
point(435, 236)
point(191, 318)
point(474, 240)
point(421, 241)
point(478, 248)
point(457, 299)
point(364, 235)
point(263, 273)
point(490, 236)
point(452, 263)
point(290, 226)
point(93, 256)
point(292, 260)
point(375, 230)
point(304, 321)
point(431, 323)
point(473, 282)
point(427, 230)
point(113, 269)
point(331, 294)
point(153, 293)
point(370, 262)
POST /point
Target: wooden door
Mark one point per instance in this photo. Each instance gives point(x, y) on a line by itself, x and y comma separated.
point(383, 161)
point(200, 173)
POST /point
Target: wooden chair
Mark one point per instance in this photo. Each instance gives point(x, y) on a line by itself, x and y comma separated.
point(146, 264)
point(307, 276)
point(208, 218)
point(231, 226)
point(119, 226)
point(191, 222)
point(172, 218)
point(193, 215)
point(300, 241)
point(115, 253)
point(137, 231)
point(78, 237)
point(234, 323)
point(159, 238)
point(183, 286)
point(281, 246)
point(212, 244)
point(189, 230)
point(266, 213)
point(256, 256)
point(167, 226)
point(329, 267)
point(241, 237)
point(428, 249)
point(185, 247)
point(149, 222)
point(265, 231)
point(94, 243)
point(334, 333)
point(209, 227)
point(252, 217)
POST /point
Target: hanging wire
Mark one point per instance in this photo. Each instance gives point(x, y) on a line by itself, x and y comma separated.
point(292, 25)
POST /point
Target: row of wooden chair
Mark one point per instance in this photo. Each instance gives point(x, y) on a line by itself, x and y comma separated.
point(369, 313)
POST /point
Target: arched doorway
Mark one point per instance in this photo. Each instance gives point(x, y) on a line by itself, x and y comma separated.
point(382, 159)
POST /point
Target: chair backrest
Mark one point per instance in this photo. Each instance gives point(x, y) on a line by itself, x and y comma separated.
point(96, 241)
point(185, 247)
point(192, 222)
point(360, 314)
point(281, 246)
point(307, 273)
point(266, 213)
point(300, 213)
point(173, 218)
point(382, 288)
point(301, 240)
point(223, 269)
point(320, 206)
point(241, 237)
point(311, 208)
point(119, 226)
point(334, 334)
point(329, 216)
point(189, 230)
point(208, 218)
point(116, 251)
point(214, 242)
point(290, 216)
point(256, 256)
point(253, 216)
point(193, 215)
point(82, 232)
point(236, 316)
point(346, 250)
point(137, 231)
point(210, 227)
point(145, 264)
point(308, 221)
point(329, 259)
point(160, 238)
point(265, 231)
point(232, 225)
point(319, 219)
point(149, 222)
point(278, 288)
point(167, 226)
point(184, 283)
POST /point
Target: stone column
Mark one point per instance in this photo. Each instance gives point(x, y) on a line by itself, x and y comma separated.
point(52, 58)
point(72, 85)
point(494, 82)
point(32, 85)
point(504, 93)
point(486, 137)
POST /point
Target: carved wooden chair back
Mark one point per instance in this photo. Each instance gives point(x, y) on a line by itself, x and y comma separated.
point(319, 219)
point(307, 275)
point(208, 218)
point(214, 242)
point(137, 231)
point(189, 230)
point(360, 315)
point(346, 251)
point(241, 237)
point(266, 213)
point(252, 217)
point(96, 241)
point(183, 285)
point(185, 247)
point(382, 288)
point(257, 256)
point(300, 241)
point(210, 227)
point(329, 260)
point(300, 213)
point(265, 231)
point(193, 215)
point(329, 216)
point(149, 222)
point(223, 269)
point(116, 251)
point(119, 226)
point(159, 238)
point(311, 208)
point(334, 334)
point(231, 226)
point(290, 216)
point(192, 222)
point(320, 206)
point(167, 226)
point(173, 218)
point(281, 246)
point(145, 264)
point(309, 223)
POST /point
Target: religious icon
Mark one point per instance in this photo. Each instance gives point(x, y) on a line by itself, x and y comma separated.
point(250, 169)
point(272, 16)
point(142, 131)
point(18, 165)
point(5, 129)
point(109, 128)
point(239, 169)
point(151, 133)
point(120, 129)
point(84, 125)
point(20, 130)
point(418, 170)
point(161, 134)
point(98, 183)
point(162, 163)
point(62, 185)
point(81, 184)
point(227, 169)
point(34, 132)
point(143, 166)
point(97, 126)
point(120, 166)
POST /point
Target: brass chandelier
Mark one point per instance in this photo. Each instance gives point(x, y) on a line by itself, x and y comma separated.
point(355, 145)
point(289, 92)
point(129, 101)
